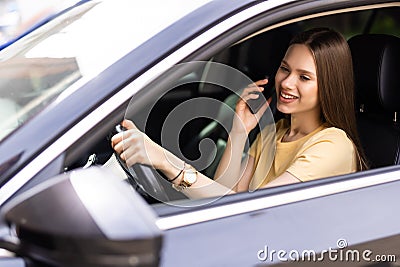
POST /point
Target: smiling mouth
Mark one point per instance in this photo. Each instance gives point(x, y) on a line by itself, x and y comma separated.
point(286, 96)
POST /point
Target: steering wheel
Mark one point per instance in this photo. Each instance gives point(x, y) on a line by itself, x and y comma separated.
point(145, 180)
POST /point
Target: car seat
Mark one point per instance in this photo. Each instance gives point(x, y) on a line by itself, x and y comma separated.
point(376, 60)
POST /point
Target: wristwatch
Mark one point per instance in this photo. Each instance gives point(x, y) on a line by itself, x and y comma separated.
point(189, 178)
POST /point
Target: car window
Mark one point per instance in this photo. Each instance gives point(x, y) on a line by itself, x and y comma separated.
point(33, 77)
point(383, 21)
point(45, 65)
point(386, 21)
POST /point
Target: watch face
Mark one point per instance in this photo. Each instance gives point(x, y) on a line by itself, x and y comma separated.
point(190, 177)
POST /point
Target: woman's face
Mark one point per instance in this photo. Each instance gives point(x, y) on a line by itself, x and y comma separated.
point(296, 82)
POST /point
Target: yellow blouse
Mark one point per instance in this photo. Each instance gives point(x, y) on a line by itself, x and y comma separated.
point(327, 151)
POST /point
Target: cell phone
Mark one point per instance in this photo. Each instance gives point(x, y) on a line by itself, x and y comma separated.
point(256, 104)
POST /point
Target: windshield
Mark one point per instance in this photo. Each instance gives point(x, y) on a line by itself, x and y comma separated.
point(53, 60)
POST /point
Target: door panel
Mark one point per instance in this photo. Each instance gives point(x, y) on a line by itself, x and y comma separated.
point(364, 218)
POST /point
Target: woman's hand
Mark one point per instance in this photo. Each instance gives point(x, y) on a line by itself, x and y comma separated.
point(134, 146)
point(244, 120)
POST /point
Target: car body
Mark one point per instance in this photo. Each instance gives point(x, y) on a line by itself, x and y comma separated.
point(65, 85)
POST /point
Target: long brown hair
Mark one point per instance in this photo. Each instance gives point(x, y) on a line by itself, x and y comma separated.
point(335, 81)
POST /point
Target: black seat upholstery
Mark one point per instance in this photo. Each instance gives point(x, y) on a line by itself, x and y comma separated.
point(376, 60)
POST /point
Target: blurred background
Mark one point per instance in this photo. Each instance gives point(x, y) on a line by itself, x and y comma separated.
point(16, 16)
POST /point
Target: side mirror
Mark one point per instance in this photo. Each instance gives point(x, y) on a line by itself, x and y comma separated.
point(82, 218)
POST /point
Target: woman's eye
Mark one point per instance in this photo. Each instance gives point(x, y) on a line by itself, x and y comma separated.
point(283, 68)
point(304, 77)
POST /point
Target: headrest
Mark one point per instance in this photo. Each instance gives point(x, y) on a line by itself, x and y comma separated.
point(376, 61)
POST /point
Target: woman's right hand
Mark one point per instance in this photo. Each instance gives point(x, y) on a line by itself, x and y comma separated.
point(134, 146)
point(244, 120)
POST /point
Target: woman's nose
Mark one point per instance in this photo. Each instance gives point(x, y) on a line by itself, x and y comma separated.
point(289, 81)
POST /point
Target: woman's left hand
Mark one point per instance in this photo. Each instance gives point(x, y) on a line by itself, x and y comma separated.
point(244, 120)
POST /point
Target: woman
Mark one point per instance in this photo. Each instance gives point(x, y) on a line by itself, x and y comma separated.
point(314, 86)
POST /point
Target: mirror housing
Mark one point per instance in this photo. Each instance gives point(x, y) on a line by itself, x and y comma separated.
point(86, 217)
